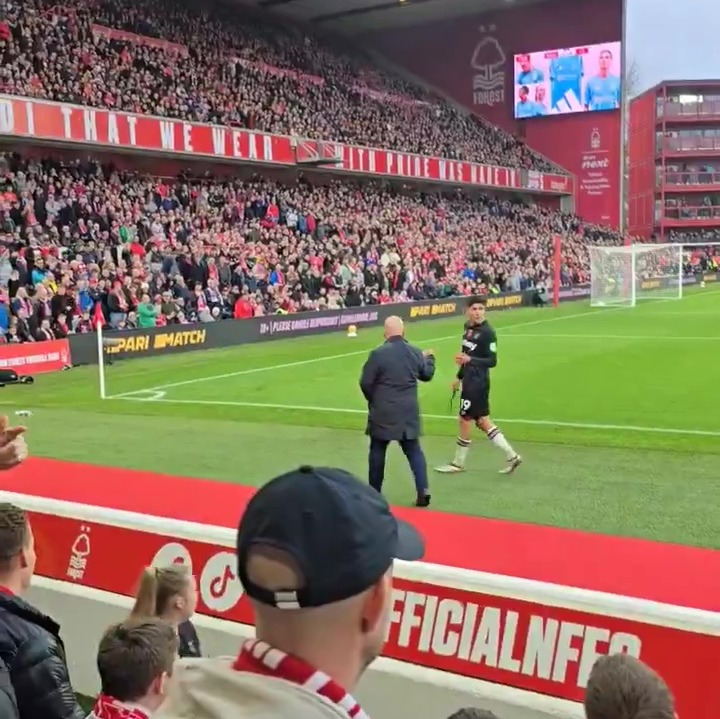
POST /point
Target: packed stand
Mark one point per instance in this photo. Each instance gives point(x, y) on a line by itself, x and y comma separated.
point(152, 252)
point(319, 623)
point(709, 236)
point(237, 72)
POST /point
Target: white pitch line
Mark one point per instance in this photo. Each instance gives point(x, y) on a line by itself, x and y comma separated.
point(690, 313)
point(300, 363)
point(346, 410)
point(615, 337)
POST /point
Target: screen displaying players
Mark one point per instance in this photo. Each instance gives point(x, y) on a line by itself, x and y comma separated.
point(561, 82)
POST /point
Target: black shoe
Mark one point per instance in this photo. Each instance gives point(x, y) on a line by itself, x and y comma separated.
point(423, 500)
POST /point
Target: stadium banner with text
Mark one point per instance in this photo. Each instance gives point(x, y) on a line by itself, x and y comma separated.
point(473, 60)
point(30, 358)
point(65, 124)
point(533, 645)
point(130, 344)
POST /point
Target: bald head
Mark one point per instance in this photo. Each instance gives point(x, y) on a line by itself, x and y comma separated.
point(341, 638)
point(394, 327)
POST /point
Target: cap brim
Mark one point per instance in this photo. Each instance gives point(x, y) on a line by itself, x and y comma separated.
point(410, 545)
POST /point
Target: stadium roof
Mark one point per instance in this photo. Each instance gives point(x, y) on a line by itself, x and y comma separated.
point(358, 16)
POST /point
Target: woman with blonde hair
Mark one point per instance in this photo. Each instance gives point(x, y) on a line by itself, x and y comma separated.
point(170, 593)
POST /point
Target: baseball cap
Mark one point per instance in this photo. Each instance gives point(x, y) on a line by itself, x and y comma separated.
point(338, 530)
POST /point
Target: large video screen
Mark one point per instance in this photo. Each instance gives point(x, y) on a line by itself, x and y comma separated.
point(562, 82)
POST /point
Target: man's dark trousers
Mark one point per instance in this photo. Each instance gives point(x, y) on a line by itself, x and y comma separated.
point(415, 456)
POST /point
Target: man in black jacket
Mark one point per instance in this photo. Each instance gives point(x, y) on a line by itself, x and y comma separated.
point(8, 705)
point(389, 383)
point(30, 645)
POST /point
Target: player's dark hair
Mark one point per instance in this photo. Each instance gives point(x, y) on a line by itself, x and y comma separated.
point(476, 300)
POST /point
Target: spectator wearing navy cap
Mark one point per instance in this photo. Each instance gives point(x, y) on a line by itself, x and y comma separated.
point(315, 551)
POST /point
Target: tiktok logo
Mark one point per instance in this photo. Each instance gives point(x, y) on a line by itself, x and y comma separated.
point(220, 587)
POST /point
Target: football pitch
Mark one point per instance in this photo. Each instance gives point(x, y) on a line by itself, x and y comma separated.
point(616, 412)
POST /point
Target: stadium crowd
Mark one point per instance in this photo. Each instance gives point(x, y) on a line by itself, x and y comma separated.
point(233, 70)
point(151, 251)
point(318, 625)
point(81, 240)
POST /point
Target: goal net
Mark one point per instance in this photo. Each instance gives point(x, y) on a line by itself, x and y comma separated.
point(626, 275)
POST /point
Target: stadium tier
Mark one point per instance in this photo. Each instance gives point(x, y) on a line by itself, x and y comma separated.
point(174, 60)
point(155, 251)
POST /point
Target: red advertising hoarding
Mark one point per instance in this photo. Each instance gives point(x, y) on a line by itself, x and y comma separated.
point(31, 358)
point(538, 647)
point(471, 59)
point(71, 124)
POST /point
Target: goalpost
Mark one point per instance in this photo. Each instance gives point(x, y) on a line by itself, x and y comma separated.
point(625, 275)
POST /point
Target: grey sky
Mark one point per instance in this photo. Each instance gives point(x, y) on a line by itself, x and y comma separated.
point(671, 40)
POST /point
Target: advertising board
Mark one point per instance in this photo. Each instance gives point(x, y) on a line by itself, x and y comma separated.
point(451, 625)
point(31, 358)
point(132, 344)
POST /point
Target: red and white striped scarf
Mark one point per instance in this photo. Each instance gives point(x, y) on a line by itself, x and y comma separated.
point(260, 658)
point(108, 708)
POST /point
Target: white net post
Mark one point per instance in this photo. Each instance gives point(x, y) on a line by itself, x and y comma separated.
point(612, 276)
point(658, 271)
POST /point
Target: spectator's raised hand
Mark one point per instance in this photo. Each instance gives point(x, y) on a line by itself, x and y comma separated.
point(13, 448)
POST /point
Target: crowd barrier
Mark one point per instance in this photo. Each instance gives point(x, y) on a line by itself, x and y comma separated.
point(386, 687)
point(520, 647)
point(131, 344)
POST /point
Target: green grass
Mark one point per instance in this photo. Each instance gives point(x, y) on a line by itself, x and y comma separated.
point(615, 411)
